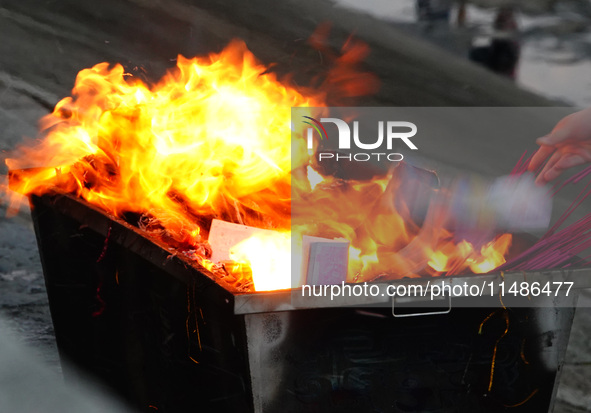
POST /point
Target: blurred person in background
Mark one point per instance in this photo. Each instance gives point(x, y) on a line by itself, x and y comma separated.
point(499, 51)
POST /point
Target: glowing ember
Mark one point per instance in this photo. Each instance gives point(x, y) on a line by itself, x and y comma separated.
point(212, 140)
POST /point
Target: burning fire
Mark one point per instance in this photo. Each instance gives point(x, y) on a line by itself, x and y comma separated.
point(212, 140)
point(386, 244)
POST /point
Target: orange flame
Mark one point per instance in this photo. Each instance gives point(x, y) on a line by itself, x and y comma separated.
point(212, 139)
point(385, 244)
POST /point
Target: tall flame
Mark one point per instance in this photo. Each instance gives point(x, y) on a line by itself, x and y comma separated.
point(212, 139)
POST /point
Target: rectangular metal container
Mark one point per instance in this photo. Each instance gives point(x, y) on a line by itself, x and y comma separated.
point(165, 335)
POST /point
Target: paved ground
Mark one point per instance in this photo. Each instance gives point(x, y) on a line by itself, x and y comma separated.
point(44, 44)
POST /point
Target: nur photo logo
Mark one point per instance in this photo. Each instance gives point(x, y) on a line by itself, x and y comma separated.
point(348, 135)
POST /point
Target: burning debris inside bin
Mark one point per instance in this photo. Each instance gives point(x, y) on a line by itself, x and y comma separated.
point(211, 141)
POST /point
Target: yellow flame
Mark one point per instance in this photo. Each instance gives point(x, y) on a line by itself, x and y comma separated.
point(269, 257)
point(213, 139)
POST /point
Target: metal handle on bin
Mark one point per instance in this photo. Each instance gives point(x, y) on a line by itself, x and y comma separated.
point(422, 313)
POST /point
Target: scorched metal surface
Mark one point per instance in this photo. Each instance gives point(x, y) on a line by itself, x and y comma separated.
point(165, 335)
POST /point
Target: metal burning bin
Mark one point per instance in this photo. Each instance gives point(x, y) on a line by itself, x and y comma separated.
point(164, 335)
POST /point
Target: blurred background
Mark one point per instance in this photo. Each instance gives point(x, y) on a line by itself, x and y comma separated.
point(542, 44)
point(425, 53)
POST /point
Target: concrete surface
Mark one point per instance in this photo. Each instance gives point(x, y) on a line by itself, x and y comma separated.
point(44, 45)
point(27, 384)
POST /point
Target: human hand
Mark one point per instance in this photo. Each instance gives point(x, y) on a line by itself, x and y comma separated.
point(568, 145)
